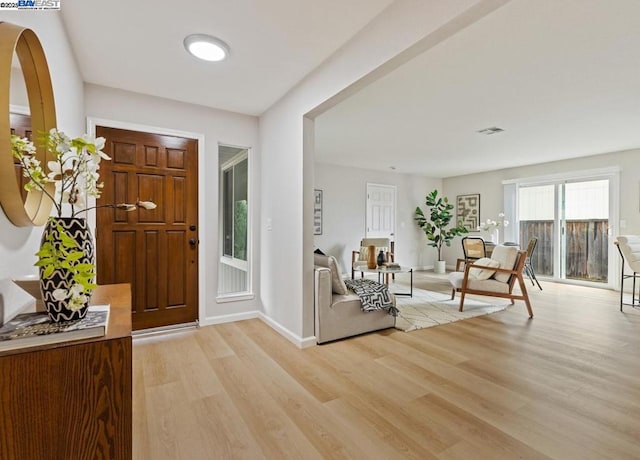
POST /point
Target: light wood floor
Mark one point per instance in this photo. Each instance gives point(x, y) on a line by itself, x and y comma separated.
point(565, 385)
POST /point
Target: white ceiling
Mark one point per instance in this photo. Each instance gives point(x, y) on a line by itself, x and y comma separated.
point(137, 45)
point(561, 77)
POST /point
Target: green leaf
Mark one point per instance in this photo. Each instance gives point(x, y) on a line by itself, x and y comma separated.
point(84, 267)
point(44, 261)
point(65, 239)
point(86, 282)
point(75, 255)
point(44, 251)
point(48, 271)
point(67, 242)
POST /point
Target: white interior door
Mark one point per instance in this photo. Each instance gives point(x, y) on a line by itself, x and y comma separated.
point(381, 211)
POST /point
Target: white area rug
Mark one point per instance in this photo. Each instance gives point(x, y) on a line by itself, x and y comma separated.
point(428, 309)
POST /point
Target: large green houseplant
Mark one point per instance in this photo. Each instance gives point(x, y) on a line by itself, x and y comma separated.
point(436, 222)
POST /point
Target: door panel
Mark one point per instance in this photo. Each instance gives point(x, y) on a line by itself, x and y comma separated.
point(381, 211)
point(586, 223)
point(150, 248)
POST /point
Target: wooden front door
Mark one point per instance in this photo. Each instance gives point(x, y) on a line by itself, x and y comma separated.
point(154, 250)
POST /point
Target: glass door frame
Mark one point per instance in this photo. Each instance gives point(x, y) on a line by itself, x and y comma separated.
point(559, 254)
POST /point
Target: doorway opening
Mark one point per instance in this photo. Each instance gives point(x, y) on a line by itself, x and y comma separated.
point(381, 211)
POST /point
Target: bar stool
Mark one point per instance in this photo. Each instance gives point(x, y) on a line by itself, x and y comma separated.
point(629, 249)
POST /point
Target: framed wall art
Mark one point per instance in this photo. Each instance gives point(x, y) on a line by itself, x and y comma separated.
point(468, 211)
point(317, 212)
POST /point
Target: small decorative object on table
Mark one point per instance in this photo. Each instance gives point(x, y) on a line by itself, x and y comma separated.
point(492, 228)
point(371, 257)
point(381, 258)
point(65, 258)
point(66, 268)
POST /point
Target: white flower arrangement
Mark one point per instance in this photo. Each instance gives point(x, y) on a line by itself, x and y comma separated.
point(73, 170)
point(489, 225)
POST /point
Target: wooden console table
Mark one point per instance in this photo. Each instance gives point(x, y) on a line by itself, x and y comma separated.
point(71, 400)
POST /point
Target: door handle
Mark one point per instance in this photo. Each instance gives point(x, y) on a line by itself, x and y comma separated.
point(193, 242)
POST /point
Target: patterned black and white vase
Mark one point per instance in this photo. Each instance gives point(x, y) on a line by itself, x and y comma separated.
point(62, 278)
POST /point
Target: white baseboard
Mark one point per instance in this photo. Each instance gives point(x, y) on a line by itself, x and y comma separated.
point(229, 318)
point(450, 268)
point(279, 328)
point(286, 333)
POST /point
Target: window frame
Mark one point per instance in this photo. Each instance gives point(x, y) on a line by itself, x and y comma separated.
point(240, 264)
point(510, 190)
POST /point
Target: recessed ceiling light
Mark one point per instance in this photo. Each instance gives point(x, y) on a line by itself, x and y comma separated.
point(206, 47)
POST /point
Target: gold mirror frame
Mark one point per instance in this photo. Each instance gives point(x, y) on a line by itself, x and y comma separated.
point(24, 42)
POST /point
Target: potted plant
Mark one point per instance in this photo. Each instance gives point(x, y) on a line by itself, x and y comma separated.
point(435, 225)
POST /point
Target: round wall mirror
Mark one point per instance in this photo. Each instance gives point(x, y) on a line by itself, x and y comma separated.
point(18, 41)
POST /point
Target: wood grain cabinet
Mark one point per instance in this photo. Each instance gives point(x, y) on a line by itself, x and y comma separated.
point(71, 400)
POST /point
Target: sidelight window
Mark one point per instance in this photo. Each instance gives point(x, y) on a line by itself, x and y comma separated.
point(235, 210)
point(234, 221)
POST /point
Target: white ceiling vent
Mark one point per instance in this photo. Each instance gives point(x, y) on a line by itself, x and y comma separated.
point(490, 131)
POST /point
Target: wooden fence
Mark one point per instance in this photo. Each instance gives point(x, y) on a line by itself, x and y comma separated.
point(587, 248)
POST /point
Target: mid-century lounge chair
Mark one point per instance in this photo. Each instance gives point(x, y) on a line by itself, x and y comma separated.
point(495, 277)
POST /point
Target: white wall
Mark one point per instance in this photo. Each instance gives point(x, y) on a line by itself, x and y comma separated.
point(216, 126)
point(287, 257)
point(489, 185)
point(19, 244)
point(344, 213)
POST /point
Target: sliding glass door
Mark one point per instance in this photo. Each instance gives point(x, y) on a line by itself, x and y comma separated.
point(537, 217)
point(586, 231)
point(570, 219)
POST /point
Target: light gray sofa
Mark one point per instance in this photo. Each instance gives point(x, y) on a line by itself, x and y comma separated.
point(338, 311)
